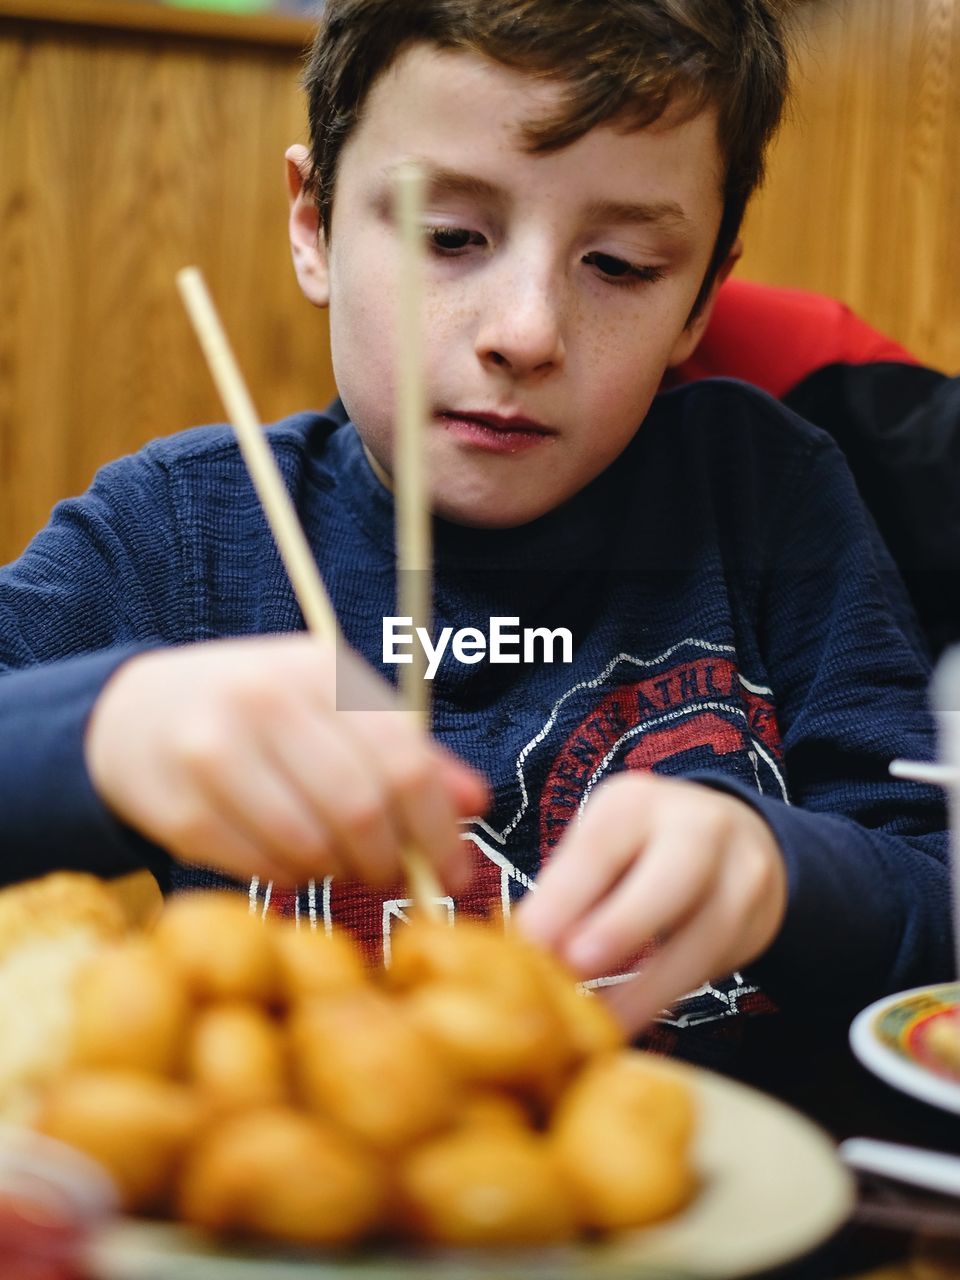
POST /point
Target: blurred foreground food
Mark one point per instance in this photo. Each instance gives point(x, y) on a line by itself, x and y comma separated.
point(253, 1078)
point(48, 930)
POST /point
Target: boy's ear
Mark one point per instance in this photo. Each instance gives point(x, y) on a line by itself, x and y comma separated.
point(307, 243)
point(689, 339)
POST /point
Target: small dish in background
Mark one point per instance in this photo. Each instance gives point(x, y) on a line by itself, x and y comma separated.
point(906, 1040)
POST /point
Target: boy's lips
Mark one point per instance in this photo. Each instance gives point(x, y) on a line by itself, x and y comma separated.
point(494, 432)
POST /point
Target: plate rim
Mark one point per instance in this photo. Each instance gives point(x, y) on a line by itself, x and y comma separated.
point(903, 1074)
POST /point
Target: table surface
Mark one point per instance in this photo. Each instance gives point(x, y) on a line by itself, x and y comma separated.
point(896, 1233)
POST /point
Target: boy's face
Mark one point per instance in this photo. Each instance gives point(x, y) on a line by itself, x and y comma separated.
point(557, 286)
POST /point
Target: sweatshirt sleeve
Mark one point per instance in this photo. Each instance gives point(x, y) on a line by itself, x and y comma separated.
point(866, 855)
point(97, 585)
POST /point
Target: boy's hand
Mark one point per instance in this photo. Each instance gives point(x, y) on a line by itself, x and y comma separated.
point(233, 754)
point(659, 859)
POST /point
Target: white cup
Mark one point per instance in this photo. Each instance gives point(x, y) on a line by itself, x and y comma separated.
point(945, 695)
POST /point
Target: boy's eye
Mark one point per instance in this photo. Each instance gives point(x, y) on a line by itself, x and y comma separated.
point(620, 270)
point(453, 239)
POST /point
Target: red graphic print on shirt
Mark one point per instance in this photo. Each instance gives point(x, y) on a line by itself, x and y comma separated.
point(699, 705)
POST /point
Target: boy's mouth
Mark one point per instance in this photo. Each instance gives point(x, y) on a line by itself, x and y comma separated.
point(494, 432)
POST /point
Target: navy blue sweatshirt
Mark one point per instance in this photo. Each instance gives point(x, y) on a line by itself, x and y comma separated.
point(734, 618)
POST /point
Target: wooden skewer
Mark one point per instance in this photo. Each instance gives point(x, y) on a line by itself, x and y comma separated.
point(413, 541)
point(287, 531)
point(286, 528)
point(414, 549)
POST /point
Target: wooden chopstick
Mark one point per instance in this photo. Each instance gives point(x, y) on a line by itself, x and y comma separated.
point(286, 528)
point(414, 549)
point(413, 540)
point(287, 531)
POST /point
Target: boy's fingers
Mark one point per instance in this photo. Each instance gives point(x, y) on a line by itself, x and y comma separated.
point(343, 793)
point(456, 791)
point(264, 806)
point(427, 816)
point(716, 940)
point(469, 791)
point(568, 889)
point(407, 766)
point(685, 961)
point(375, 808)
point(656, 896)
point(577, 877)
point(218, 842)
point(267, 777)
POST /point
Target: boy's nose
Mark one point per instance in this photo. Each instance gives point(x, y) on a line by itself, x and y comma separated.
point(522, 333)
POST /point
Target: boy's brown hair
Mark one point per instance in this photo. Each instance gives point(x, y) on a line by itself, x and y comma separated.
point(617, 60)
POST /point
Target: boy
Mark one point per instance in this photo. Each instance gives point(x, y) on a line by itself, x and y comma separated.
point(733, 619)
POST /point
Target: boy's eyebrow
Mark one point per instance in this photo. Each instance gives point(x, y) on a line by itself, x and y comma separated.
point(664, 213)
point(451, 182)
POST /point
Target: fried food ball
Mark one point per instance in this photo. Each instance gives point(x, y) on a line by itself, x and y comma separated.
point(486, 1037)
point(279, 1173)
point(473, 953)
point(130, 1011)
point(137, 1126)
point(56, 904)
point(588, 1025)
point(623, 1177)
point(636, 1087)
point(488, 1109)
point(359, 1060)
point(501, 970)
point(220, 950)
point(49, 930)
point(237, 1057)
point(485, 1187)
point(620, 1135)
point(314, 963)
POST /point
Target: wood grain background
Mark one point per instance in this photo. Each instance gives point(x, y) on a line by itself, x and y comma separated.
point(122, 159)
point(125, 155)
point(863, 196)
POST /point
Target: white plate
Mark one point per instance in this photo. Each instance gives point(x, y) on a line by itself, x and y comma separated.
point(888, 1038)
point(772, 1189)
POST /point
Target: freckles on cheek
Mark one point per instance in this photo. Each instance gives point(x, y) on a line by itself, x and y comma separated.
point(621, 372)
point(368, 335)
point(614, 356)
point(444, 322)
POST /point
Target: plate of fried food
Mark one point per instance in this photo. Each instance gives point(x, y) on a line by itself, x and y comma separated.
point(912, 1041)
point(267, 1107)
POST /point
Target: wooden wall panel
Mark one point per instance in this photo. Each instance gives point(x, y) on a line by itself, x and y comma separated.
point(123, 158)
point(863, 195)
